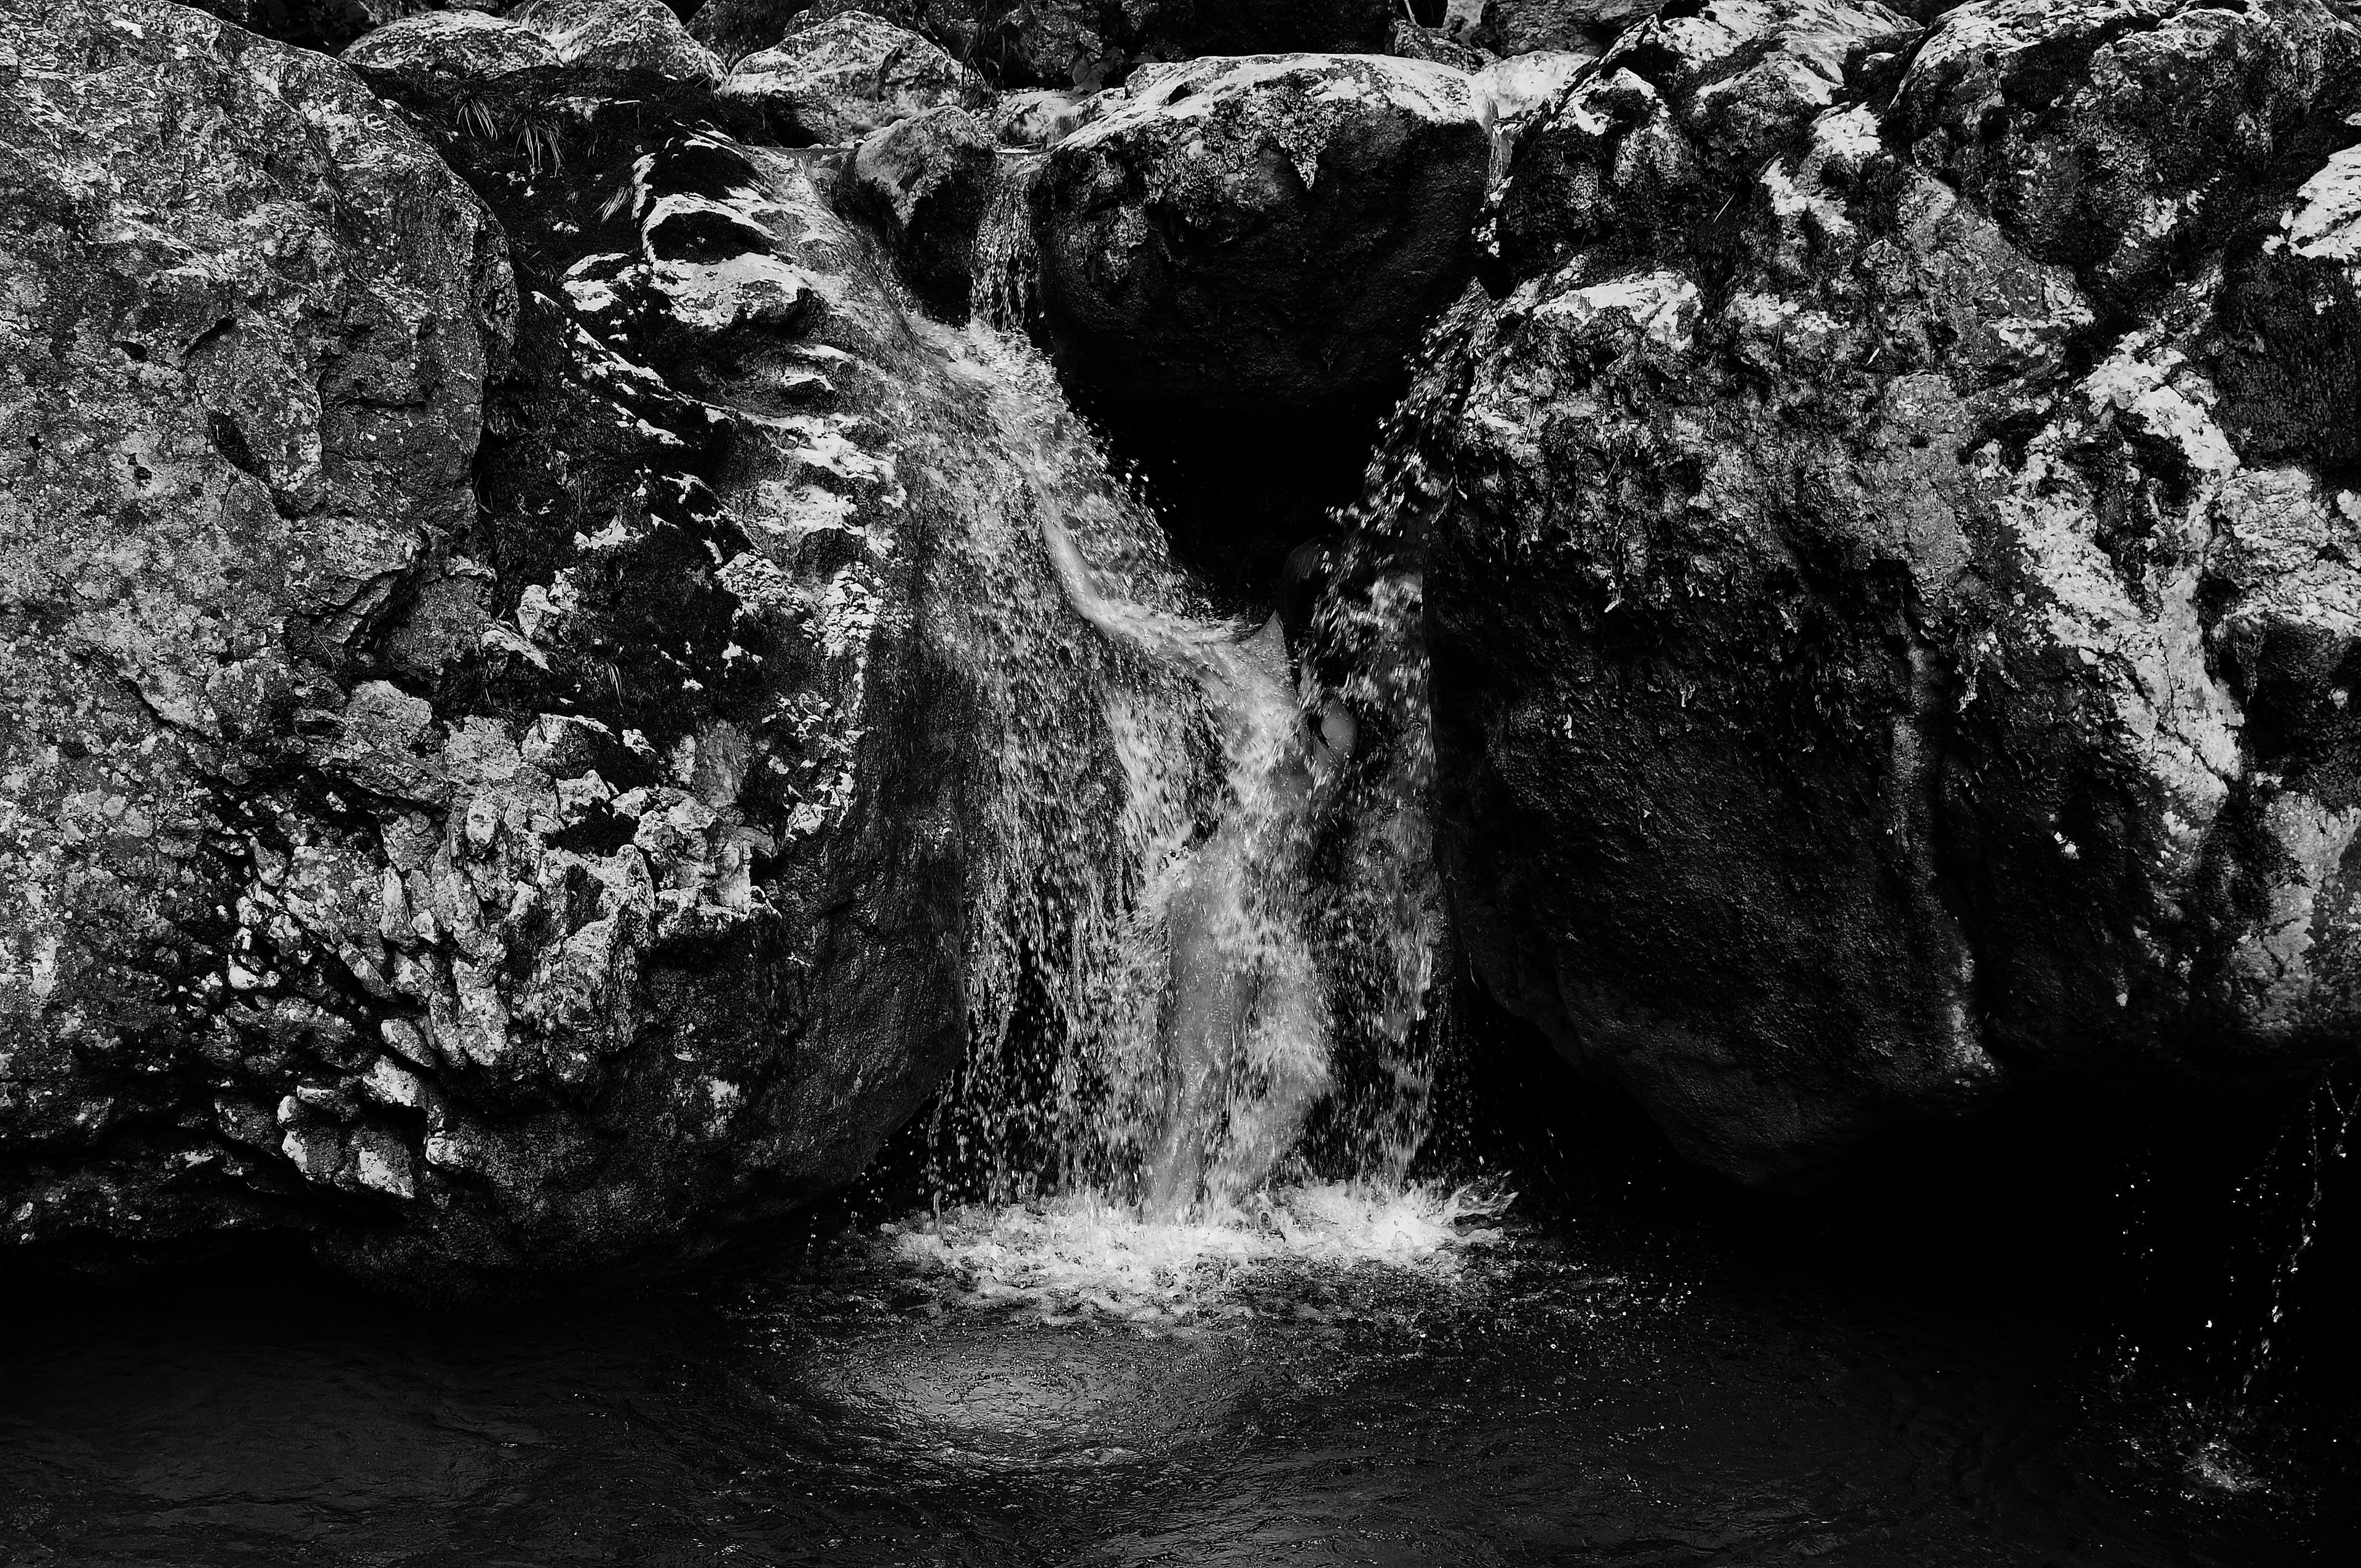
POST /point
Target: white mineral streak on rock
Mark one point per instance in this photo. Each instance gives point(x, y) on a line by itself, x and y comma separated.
point(2167, 399)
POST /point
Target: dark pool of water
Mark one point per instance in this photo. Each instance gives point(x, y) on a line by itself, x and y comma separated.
point(1551, 1409)
point(1655, 1373)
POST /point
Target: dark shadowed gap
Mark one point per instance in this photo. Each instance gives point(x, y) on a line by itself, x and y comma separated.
point(1237, 491)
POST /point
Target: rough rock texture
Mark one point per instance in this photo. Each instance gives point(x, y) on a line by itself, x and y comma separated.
point(1271, 232)
point(442, 53)
point(845, 78)
point(735, 28)
point(326, 25)
point(503, 773)
point(1895, 568)
point(544, 71)
point(1516, 89)
point(1041, 117)
point(1508, 27)
point(926, 181)
point(1083, 44)
point(1092, 43)
point(622, 35)
point(1411, 41)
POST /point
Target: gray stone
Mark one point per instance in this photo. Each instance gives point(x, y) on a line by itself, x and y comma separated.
point(505, 789)
point(1041, 117)
point(1411, 41)
point(623, 37)
point(1891, 588)
point(450, 52)
point(1271, 232)
point(845, 78)
point(926, 179)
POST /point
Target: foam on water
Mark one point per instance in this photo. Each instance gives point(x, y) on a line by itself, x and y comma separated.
point(1081, 1257)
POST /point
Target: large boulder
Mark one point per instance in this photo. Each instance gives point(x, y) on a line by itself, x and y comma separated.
point(621, 37)
point(449, 53)
point(852, 74)
point(544, 64)
point(328, 25)
point(1265, 232)
point(924, 181)
point(1892, 579)
point(515, 761)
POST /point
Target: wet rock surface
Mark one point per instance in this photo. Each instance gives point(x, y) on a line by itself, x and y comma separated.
point(846, 77)
point(1889, 596)
point(1270, 233)
point(486, 721)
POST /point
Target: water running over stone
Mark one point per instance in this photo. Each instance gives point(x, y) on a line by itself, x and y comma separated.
point(1252, 939)
point(1007, 265)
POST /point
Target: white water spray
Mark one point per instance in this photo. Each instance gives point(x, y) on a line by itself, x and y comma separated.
point(1196, 972)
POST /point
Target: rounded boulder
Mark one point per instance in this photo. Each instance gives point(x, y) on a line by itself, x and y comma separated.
point(1262, 232)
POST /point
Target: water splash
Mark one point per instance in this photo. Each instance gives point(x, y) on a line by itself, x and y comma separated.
point(1082, 1258)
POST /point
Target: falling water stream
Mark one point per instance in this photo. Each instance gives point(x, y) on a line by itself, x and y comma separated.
point(1191, 1027)
point(1210, 1254)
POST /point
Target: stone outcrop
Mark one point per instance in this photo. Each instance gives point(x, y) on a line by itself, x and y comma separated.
point(1263, 233)
point(1891, 571)
point(507, 760)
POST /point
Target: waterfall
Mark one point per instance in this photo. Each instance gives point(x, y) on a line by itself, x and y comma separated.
point(1249, 935)
point(1007, 259)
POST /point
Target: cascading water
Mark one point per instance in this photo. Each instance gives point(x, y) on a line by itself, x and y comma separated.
point(1006, 267)
point(1244, 950)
